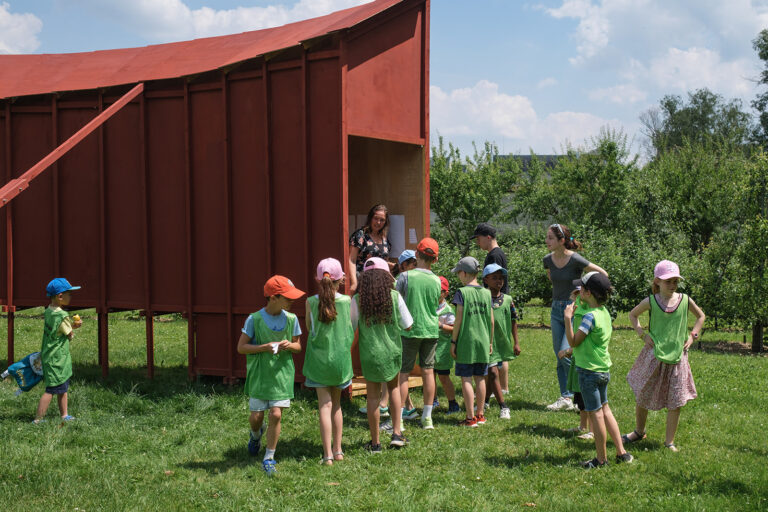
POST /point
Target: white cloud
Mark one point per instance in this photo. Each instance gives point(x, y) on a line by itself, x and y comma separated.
point(482, 112)
point(621, 94)
point(18, 32)
point(547, 82)
point(170, 20)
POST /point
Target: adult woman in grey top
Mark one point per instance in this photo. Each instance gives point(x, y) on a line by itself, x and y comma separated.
point(563, 265)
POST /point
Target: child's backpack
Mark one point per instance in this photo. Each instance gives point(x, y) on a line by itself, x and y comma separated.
point(27, 372)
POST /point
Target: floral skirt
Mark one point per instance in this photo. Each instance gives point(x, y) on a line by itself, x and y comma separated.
point(660, 385)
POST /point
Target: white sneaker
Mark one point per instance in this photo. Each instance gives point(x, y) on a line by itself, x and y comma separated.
point(386, 426)
point(562, 404)
point(587, 436)
point(504, 391)
point(504, 414)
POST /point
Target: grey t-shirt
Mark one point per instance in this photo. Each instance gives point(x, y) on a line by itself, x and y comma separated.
point(563, 277)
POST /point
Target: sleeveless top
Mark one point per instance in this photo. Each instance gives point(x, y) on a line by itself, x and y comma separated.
point(57, 361)
point(474, 339)
point(422, 299)
point(592, 354)
point(381, 350)
point(669, 331)
point(443, 359)
point(503, 349)
point(328, 356)
point(270, 376)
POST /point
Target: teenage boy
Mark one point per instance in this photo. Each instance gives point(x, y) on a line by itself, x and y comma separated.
point(421, 290)
point(471, 339)
point(593, 362)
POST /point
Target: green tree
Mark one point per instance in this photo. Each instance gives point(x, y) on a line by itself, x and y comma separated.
point(705, 117)
point(465, 192)
point(760, 44)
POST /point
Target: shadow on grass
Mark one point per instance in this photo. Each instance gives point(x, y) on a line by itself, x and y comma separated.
point(528, 458)
point(297, 449)
point(541, 430)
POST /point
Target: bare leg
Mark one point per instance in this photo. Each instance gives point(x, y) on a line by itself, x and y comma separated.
point(62, 399)
point(373, 390)
point(42, 406)
point(673, 418)
point(256, 419)
point(598, 427)
point(480, 387)
point(583, 420)
point(337, 422)
point(325, 407)
point(273, 428)
point(450, 392)
point(504, 376)
point(641, 415)
point(395, 409)
point(404, 388)
point(428, 381)
point(384, 397)
point(613, 429)
point(494, 383)
point(469, 396)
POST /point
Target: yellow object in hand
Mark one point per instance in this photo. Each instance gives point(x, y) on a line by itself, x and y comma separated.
point(76, 318)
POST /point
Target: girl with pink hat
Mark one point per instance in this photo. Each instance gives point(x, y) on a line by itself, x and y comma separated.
point(661, 376)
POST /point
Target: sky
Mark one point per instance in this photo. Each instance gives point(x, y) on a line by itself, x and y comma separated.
point(525, 75)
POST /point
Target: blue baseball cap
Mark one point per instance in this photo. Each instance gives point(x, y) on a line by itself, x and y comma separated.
point(493, 267)
point(406, 255)
point(59, 285)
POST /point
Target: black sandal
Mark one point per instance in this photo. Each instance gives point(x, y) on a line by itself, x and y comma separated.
point(638, 436)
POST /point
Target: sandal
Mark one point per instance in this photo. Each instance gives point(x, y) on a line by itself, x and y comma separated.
point(326, 461)
point(638, 436)
point(671, 447)
point(338, 456)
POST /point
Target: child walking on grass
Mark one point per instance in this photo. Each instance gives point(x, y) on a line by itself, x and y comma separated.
point(661, 376)
point(593, 362)
point(269, 338)
point(443, 360)
point(506, 345)
point(379, 312)
point(328, 360)
point(55, 356)
point(472, 338)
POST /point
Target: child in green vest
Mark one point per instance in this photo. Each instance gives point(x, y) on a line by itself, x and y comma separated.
point(443, 361)
point(506, 345)
point(328, 357)
point(593, 362)
point(55, 356)
point(661, 376)
point(472, 338)
point(379, 312)
point(269, 338)
point(421, 290)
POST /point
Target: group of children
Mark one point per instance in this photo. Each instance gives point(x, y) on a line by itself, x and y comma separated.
point(398, 321)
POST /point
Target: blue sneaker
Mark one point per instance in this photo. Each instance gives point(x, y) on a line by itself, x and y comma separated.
point(269, 467)
point(67, 418)
point(453, 407)
point(254, 445)
point(435, 404)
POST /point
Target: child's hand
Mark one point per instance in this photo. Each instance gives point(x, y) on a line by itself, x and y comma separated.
point(575, 294)
point(453, 350)
point(76, 322)
point(516, 350)
point(563, 353)
point(649, 341)
point(688, 343)
point(569, 309)
point(283, 345)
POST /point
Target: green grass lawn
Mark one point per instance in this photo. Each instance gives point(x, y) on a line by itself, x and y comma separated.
point(169, 444)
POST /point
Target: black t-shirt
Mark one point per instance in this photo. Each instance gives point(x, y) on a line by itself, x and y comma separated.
point(497, 256)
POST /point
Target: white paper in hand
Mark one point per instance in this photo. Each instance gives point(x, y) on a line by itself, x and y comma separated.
point(275, 348)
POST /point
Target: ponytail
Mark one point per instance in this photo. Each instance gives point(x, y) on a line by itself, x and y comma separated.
point(562, 232)
point(327, 303)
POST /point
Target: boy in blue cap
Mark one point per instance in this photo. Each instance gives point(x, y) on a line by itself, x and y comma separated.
point(58, 330)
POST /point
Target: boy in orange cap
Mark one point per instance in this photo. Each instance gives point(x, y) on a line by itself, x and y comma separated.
point(268, 339)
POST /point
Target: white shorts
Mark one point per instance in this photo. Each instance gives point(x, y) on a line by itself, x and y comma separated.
point(258, 405)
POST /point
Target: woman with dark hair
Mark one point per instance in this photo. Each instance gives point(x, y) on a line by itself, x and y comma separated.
point(368, 242)
point(564, 265)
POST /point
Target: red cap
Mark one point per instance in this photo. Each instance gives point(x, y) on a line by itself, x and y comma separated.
point(280, 285)
point(444, 285)
point(428, 246)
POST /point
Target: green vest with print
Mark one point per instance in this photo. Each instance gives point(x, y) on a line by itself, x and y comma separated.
point(328, 356)
point(474, 338)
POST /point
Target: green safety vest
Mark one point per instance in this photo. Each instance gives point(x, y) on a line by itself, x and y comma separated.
point(54, 354)
point(381, 350)
point(422, 298)
point(474, 339)
point(270, 376)
point(669, 331)
point(328, 356)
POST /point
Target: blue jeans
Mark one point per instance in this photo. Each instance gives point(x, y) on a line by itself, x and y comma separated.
point(560, 342)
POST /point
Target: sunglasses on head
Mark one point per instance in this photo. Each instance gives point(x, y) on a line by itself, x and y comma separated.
point(558, 228)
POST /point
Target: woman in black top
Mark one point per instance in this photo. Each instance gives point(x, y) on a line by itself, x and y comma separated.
point(369, 241)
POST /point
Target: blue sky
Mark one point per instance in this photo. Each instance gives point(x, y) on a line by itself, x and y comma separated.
point(527, 75)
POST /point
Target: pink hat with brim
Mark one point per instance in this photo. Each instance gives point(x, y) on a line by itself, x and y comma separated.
point(375, 263)
point(330, 266)
point(666, 269)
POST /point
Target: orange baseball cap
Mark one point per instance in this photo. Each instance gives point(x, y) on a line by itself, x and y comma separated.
point(428, 246)
point(281, 285)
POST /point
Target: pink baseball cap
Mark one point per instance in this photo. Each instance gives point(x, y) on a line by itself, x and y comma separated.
point(666, 269)
point(375, 263)
point(330, 266)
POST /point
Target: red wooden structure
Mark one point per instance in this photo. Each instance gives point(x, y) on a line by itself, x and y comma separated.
point(179, 177)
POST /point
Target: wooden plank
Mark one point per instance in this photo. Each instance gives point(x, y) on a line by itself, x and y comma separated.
point(358, 385)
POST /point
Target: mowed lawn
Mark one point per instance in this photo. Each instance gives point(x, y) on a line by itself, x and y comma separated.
point(171, 444)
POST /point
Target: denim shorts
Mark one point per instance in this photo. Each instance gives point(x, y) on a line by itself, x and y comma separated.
point(594, 388)
point(443, 372)
point(258, 405)
point(312, 384)
point(58, 390)
point(471, 369)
